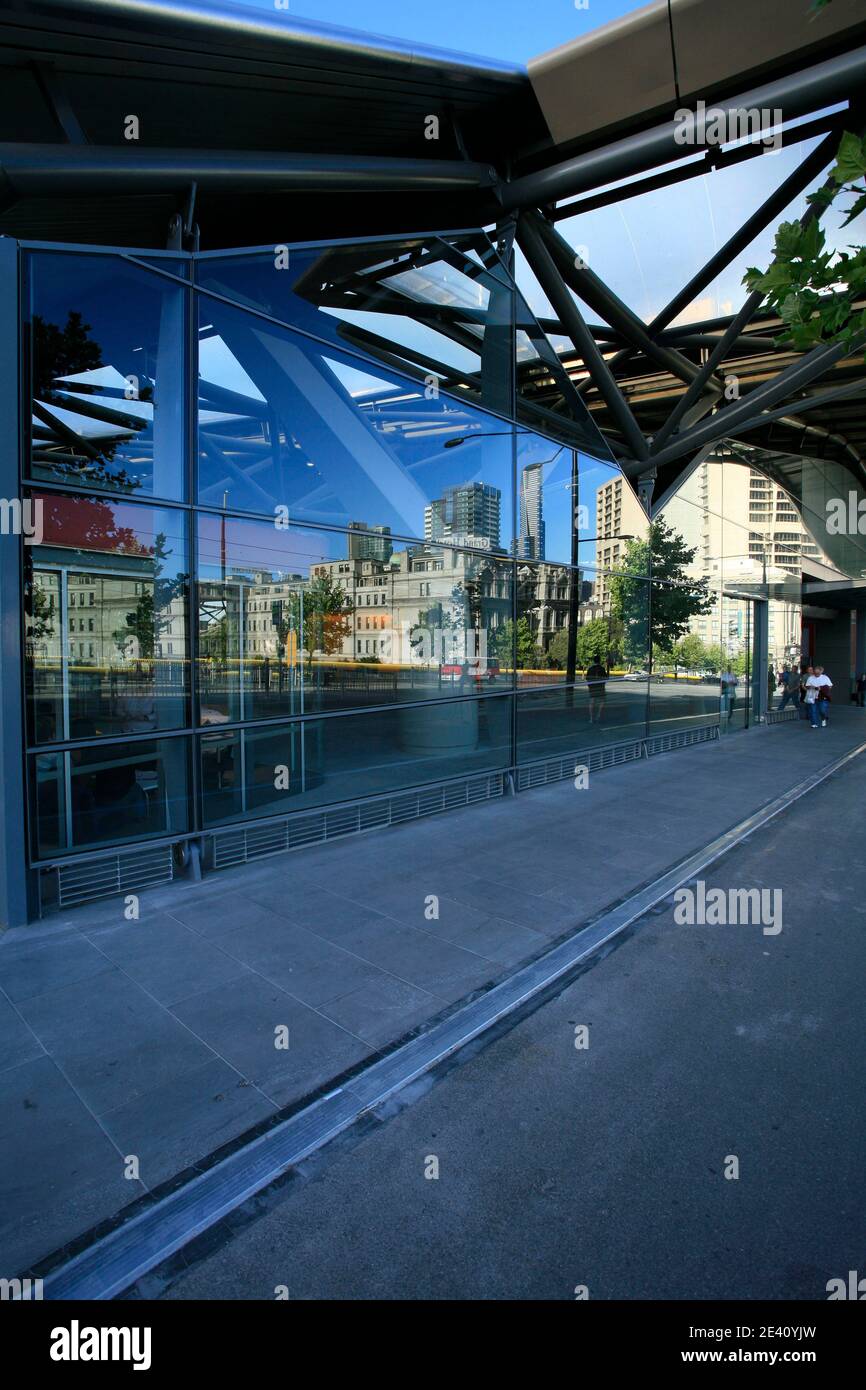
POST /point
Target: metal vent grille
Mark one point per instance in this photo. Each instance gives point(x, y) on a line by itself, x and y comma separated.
point(665, 743)
point(255, 842)
point(89, 879)
point(594, 759)
point(779, 716)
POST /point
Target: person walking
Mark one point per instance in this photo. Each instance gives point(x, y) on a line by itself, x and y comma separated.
point(595, 683)
point(861, 690)
point(812, 697)
point(804, 703)
point(728, 690)
point(789, 683)
point(823, 697)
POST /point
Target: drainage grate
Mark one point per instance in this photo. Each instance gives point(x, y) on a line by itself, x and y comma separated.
point(232, 847)
point(665, 743)
point(594, 759)
point(103, 877)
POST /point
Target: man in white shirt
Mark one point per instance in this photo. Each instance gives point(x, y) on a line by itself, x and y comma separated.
point(818, 689)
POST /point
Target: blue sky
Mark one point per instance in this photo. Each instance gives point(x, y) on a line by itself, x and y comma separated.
point(516, 30)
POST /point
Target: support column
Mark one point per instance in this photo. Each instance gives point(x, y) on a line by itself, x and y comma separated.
point(760, 656)
point(17, 900)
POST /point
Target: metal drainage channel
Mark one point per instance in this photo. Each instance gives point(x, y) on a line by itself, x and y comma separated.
point(111, 1265)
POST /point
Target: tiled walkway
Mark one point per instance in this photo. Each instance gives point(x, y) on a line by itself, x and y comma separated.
point(162, 1038)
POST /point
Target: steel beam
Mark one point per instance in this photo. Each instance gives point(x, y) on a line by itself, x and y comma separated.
point(594, 292)
point(710, 161)
point(769, 210)
point(795, 94)
point(734, 418)
point(541, 262)
point(71, 170)
point(727, 340)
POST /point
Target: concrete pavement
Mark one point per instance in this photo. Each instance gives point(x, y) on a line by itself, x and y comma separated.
point(156, 1038)
point(606, 1167)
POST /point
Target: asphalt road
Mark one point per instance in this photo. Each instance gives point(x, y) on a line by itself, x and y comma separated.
point(605, 1167)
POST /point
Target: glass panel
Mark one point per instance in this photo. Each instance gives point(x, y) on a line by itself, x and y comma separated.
point(97, 796)
point(289, 767)
point(745, 537)
point(561, 491)
point(423, 305)
point(608, 702)
point(294, 620)
point(105, 619)
point(553, 601)
point(107, 367)
point(284, 423)
point(595, 712)
point(686, 686)
point(736, 674)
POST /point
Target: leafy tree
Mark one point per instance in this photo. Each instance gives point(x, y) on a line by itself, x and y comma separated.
point(593, 643)
point(41, 615)
point(662, 656)
point(714, 657)
point(676, 598)
point(152, 614)
point(216, 636)
point(85, 523)
point(815, 290)
point(690, 652)
point(503, 640)
point(61, 352)
point(327, 611)
point(557, 652)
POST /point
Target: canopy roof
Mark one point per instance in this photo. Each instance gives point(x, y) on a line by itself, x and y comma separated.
point(262, 129)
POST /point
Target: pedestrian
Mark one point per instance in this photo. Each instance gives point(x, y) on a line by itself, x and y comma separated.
point(728, 690)
point(825, 685)
point(804, 703)
point(772, 681)
point(595, 683)
point(861, 690)
point(789, 684)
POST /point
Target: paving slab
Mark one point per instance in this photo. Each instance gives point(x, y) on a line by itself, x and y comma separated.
point(59, 1170)
point(186, 1118)
point(240, 1023)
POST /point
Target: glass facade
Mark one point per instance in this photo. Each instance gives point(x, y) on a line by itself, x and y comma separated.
point(304, 537)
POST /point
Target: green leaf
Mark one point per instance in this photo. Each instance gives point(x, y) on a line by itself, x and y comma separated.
point(851, 160)
point(791, 309)
point(855, 209)
point(788, 240)
point(778, 277)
